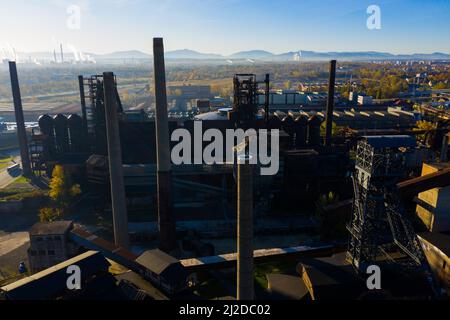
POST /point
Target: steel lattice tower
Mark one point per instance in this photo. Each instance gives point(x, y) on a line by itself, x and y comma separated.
point(379, 222)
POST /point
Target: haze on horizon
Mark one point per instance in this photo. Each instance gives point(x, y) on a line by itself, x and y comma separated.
point(226, 26)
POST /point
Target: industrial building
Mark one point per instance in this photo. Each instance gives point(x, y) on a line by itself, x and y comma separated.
point(123, 159)
point(49, 245)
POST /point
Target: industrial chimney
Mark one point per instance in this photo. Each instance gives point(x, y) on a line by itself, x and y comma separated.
point(330, 104)
point(245, 288)
point(62, 53)
point(83, 107)
point(118, 200)
point(20, 121)
point(166, 223)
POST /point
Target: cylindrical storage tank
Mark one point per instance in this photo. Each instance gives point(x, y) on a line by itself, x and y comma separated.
point(46, 124)
point(47, 130)
point(288, 125)
point(314, 131)
point(75, 125)
point(301, 131)
point(274, 122)
point(61, 133)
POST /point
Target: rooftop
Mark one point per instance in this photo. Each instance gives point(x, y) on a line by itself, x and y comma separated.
point(438, 239)
point(51, 228)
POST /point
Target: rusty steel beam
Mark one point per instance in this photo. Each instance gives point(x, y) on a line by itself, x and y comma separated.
point(410, 188)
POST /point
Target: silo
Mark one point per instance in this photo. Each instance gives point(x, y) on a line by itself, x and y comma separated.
point(301, 131)
point(61, 133)
point(314, 131)
point(274, 122)
point(288, 125)
point(47, 130)
point(75, 125)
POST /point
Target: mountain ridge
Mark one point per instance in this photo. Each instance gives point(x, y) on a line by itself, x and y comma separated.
point(259, 55)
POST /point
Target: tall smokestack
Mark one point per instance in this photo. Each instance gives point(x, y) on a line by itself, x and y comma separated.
point(54, 56)
point(245, 289)
point(444, 150)
point(166, 221)
point(62, 53)
point(83, 106)
point(119, 207)
point(267, 97)
point(330, 104)
point(18, 110)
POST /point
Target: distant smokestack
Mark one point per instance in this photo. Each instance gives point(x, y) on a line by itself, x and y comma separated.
point(54, 56)
point(245, 289)
point(118, 201)
point(21, 131)
point(83, 106)
point(330, 104)
point(62, 53)
point(166, 221)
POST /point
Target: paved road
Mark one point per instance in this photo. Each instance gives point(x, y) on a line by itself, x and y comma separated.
point(5, 178)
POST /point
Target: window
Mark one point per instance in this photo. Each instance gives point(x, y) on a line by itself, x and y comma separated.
point(32, 253)
point(51, 252)
point(42, 252)
point(39, 239)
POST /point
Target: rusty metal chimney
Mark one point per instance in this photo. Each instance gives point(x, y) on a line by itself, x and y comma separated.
point(444, 149)
point(118, 200)
point(83, 106)
point(245, 286)
point(330, 104)
point(166, 222)
point(20, 121)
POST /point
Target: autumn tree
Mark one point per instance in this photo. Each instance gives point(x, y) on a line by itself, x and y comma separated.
point(62, 192)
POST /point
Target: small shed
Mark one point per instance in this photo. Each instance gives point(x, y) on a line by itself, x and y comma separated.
point(164, 270)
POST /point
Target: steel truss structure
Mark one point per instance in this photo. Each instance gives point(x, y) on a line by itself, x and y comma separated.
point(379, 222)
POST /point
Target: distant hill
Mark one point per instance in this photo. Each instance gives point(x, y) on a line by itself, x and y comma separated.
point(191, 54)
point(132, 54)
point(261, 55)
point(252, 54)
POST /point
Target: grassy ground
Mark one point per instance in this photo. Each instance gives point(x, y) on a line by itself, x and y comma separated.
point(5, 161)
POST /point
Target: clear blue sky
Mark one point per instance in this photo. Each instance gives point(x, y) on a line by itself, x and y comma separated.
point(227, 26)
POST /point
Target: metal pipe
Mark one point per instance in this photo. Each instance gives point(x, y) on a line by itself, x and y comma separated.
point(20, 121)
point(166, 222)
point(444, 150)
point(245, 285)
point(83, 107)
point(267, 96)
point(118, 201)
point(330, 103)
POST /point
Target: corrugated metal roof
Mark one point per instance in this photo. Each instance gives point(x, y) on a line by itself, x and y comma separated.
point(162, 264)
point(52, 281)
point(437, 239)
point(391, 141)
